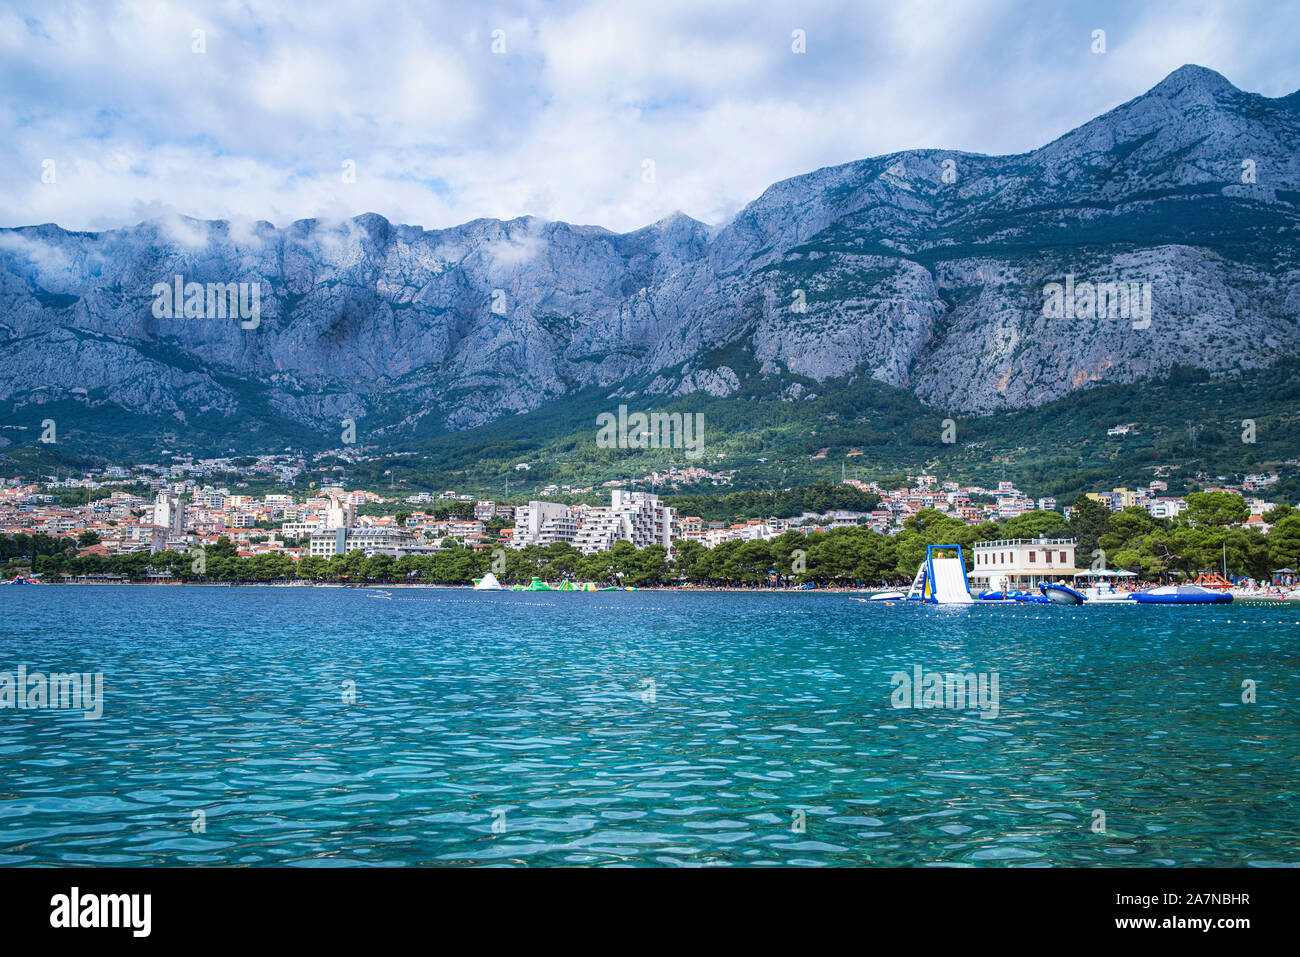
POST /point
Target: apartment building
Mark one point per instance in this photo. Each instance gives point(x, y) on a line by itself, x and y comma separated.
point(690, 526)
point(169, 513)
point(340, 514)
point(636, 517)
point(1116, 499)
point(544, 523)
point(371, 541)
point(1257, 481)
point(455, 528)
point(1164, 507)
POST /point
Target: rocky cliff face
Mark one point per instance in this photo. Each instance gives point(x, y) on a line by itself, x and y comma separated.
point(923, 269)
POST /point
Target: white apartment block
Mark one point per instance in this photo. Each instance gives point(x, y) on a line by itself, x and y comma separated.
point(1258, 481)
point(745, 532)
point(763, 531)
point(1011, 506)
point(299, 529)
point(636, 517)
point(714, 537)
point(153, 537)
point(371, 541)
point(60, 526)
point(1165, 507)
point(340, 514)
point(465, 528)
point(210, 498)
point(169, 513)
point(544, 523)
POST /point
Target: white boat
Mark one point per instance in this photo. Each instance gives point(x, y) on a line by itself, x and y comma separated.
point(886, 596)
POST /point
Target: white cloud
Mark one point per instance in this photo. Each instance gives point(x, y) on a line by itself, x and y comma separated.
point(51, 262)
point(442, 130)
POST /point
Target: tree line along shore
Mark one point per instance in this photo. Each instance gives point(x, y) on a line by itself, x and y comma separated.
point(1207, 535)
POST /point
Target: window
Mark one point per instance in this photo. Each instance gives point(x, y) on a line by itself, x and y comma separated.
point(1062, 557)
point(1031, 558)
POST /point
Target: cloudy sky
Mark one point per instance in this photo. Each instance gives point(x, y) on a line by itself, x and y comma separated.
point(446, 112)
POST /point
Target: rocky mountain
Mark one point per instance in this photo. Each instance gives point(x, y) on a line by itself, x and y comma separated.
point(925, 269)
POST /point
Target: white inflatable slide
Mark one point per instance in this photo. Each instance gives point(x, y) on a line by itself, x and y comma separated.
point(950, 586)
point(942, 581)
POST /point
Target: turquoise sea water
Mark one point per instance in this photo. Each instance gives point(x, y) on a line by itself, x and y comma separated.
point(523, 728)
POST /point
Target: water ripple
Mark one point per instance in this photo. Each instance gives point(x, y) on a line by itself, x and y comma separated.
point(314, 728)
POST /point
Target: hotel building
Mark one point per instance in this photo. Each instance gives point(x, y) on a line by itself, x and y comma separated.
point(636, 517)
point(544, 523)
point(1023, 563)
point(371, 541)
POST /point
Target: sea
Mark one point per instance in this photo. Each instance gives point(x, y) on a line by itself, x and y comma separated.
point(353, 727)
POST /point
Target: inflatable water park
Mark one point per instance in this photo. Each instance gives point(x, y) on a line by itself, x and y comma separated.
point(942, 580)
point(489, 582)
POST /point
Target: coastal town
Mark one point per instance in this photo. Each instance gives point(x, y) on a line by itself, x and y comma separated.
point(186, 507)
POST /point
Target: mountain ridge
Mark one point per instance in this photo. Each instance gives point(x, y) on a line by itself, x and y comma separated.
point(922, 269)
